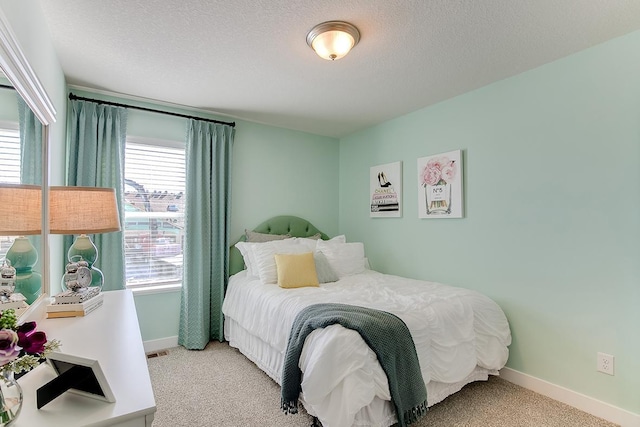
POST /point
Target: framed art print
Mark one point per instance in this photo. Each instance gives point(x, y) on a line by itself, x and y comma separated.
point(440, 185)
point(385, 194)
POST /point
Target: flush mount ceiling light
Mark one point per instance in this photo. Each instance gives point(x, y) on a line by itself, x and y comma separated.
point(333, 39)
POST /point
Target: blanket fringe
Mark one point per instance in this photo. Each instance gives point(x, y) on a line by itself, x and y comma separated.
point(289, 407)
point(414, 414)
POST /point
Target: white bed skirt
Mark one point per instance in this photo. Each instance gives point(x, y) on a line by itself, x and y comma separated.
point(379, 413)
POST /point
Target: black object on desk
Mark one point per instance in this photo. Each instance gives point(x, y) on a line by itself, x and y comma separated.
point(82, 376)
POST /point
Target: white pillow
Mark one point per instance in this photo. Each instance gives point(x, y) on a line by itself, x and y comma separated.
point(311, 242)
point(306, 242)
point(246, 249)
point(265, 257)
point(248, 255)
point(346, 259)
point(338, 239)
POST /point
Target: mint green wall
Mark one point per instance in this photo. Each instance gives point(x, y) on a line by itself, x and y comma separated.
point(283, 172)
point(552, 194)
point(28, 24)
point(8, 103)
point(275, 171)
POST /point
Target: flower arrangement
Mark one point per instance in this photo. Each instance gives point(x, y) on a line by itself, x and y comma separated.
point(22, 347)
point(439, 171)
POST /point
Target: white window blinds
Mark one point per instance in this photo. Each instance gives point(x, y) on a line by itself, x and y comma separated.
point(9, 155)
point(154, 212)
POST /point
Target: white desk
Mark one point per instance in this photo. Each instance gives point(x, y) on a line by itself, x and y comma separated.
point(111, 335)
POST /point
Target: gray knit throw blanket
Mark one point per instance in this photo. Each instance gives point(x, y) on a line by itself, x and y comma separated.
point(384, 333)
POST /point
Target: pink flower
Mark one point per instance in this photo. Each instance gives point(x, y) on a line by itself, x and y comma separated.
point(430, 175)
point(449, 171)
point(9, 350)
point(438, 169)
point(437, 162)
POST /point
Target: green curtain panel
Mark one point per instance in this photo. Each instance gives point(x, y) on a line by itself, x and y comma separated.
point(96, 141)
point(207, 217)
point(31, 145)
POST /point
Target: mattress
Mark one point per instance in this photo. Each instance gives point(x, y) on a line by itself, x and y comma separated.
point(460, 336)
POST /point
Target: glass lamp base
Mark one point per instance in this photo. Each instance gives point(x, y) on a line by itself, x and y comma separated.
point(23, 256)
point(84, 249)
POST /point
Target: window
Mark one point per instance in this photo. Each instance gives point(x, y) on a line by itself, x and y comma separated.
point(9, 168)
point(9, 154)
point(154, 192)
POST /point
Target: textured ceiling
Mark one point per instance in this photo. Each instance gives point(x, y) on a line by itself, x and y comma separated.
point(248, 59)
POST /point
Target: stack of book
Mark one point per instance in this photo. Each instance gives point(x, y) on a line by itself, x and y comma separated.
point(75, 304)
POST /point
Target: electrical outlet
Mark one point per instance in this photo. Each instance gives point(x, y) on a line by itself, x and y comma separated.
point(605, 363)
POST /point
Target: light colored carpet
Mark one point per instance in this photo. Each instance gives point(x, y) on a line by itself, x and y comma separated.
point(218, 386)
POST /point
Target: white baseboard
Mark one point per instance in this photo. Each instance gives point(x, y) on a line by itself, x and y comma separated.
point(161, 344)
point(580, 401)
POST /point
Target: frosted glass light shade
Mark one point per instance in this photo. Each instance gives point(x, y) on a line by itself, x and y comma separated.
point(83, 210)
point(333, 39)
point(20, 209)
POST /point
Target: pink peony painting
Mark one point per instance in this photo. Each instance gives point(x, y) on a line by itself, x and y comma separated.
point(440, 185)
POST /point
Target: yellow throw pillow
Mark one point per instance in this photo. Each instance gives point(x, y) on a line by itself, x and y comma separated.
point(296, 270)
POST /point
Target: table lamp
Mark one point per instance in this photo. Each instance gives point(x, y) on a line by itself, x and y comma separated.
point(21, 215)
point(83, 210)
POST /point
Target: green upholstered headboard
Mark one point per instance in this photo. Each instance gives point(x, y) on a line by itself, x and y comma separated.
point(284, 224)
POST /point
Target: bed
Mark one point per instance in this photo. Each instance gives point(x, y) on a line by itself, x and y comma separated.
point(460, 335)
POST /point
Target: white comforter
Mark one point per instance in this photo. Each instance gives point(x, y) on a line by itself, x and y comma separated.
point(453, 329)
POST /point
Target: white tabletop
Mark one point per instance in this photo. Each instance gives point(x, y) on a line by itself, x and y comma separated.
point(111, 335)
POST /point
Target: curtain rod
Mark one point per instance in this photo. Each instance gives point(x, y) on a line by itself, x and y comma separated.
point(115, 104)
point(7, 87)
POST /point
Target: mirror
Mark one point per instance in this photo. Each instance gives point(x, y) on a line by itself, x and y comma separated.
point(21, 163)
point(21, 76)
